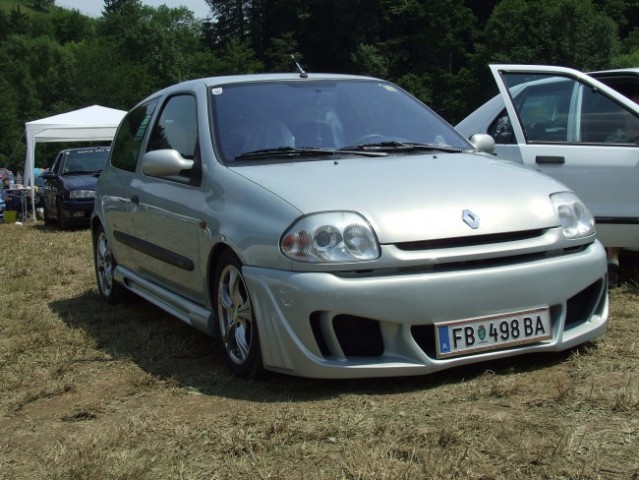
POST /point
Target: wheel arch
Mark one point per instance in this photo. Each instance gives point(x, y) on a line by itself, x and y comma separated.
point(214, 257)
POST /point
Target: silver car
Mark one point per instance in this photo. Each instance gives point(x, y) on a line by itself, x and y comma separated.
point(582, 129)
point(333, 226)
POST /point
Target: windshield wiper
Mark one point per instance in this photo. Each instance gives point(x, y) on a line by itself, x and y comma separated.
point(284, 152)
point(396, 146)
point(304, 151)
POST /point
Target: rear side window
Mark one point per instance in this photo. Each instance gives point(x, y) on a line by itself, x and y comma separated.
point(128, 140)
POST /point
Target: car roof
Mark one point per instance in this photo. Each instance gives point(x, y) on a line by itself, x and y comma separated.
point(220, 81)
point(614, 72)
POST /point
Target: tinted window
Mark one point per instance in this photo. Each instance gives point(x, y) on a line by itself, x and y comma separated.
point(128, 140)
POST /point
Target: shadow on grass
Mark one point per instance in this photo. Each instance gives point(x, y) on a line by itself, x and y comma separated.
point(629, 271)
point(168, 349)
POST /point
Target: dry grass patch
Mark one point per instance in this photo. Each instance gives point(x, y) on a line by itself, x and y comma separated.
point(127, 392)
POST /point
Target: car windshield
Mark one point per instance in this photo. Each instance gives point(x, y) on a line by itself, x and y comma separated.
point(85, 161)
point(307, 119)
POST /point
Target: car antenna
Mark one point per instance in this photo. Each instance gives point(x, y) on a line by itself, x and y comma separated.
point(303, 74)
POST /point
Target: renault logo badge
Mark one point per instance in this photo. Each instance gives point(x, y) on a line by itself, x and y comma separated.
point(470, 219)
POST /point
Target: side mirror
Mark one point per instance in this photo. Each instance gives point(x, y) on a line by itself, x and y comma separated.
point(165, 163)
point(48, 175)
point(483, 143)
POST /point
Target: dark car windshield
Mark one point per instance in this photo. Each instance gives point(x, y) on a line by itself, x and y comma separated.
point(283, 120)
point(84, 161)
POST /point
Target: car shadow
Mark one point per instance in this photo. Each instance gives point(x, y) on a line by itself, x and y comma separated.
point(170, 350)
point(629, 271)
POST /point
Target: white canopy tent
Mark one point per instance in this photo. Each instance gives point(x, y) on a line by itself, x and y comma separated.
point(90, 124)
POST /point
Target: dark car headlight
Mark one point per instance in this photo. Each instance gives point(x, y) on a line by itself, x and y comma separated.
point(330, 237)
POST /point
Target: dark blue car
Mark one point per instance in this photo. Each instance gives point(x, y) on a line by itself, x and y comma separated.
point(69, 188)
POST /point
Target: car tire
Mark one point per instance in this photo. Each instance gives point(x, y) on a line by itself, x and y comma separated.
point(237, 327)
point(62, 224)
point(105, 264)
point(47, 218)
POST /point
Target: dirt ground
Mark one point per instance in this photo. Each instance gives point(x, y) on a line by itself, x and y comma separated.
point(90, 391)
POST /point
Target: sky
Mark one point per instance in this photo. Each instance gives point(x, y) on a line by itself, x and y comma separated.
point(93, 8)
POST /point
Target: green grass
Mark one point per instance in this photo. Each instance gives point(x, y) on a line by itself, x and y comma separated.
point(90, 391)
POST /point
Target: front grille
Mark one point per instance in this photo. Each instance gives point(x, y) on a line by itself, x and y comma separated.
point(470, 241)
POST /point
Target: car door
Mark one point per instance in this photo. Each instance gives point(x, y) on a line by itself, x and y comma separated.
point(581, 132)
point(165, 225)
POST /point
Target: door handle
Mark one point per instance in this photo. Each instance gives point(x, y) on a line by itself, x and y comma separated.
point(135, 199)
point(550, 159)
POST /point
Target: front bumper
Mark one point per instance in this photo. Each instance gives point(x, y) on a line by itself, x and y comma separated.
point(380, 323)
point(77, 211)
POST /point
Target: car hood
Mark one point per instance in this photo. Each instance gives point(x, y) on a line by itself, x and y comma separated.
point(420, 197)
point(80, 181)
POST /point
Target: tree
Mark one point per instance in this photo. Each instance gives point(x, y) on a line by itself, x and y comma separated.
point(367, 60)
point(42, 5)
point(563, 32)
point(114, 6)
point(237, 58)
point(164, 40)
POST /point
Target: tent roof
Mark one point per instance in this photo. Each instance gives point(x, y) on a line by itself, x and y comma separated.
point(90, 124)
point(85, 123)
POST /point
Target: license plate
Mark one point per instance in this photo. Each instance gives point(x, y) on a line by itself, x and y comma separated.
point(461, 337)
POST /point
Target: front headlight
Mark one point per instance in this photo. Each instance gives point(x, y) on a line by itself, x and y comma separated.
point(76, 194)
point(330, 237)
point(574, 218)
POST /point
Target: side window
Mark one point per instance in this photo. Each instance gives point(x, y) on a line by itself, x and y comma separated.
point(604, 121)
point(176, 129)
point(558, 109)
point(56, 164)
point(128, 140)
point(543, 107)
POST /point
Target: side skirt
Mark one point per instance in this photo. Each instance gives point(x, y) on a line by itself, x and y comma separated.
point(192, 313)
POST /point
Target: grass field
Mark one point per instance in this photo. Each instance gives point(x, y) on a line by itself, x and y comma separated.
point(90, 391)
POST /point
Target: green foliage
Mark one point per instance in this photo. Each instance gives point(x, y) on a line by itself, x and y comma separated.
point(238, 57)
point(571, 33)
point(278, 57)
point(367, 60)
point(54, 60)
